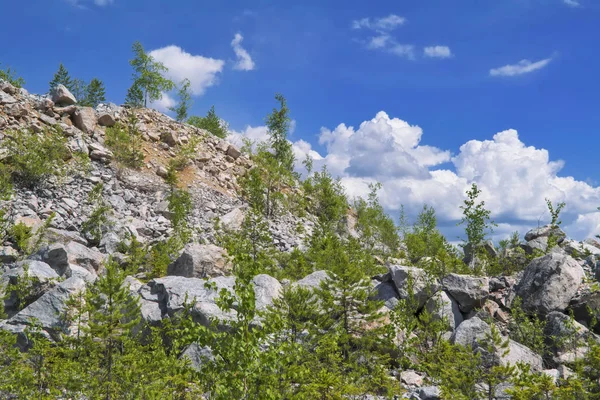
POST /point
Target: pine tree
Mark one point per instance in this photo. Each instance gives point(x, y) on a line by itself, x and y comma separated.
point(211, 122)
point(61, 77)
point(181, 110)
point(135, 96)
point(147, 77)
point(278, 125)
point(112, 316)
point(95, 93)
point(79, 89)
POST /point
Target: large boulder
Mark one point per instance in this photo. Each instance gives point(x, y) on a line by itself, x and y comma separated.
point(197, 356)
point(410, 281)
point(475, 333)
point(48, 311)
point(90, 259)
point(40, 279)
point(468, 291)
point(106, 119)
point(566, 338)
point(443, 307)
point(586, 308)
point(56, 256)
point(200, 261)
point(312, 281)
point(173, 293)
point(579, 249)
point(85, 119)
point(385, 292)
point(549, 283)
point(233, 220)
point(539, 244)
point(546, 231)
point(61, 96)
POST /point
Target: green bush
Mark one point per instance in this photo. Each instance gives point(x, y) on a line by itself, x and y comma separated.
point(211, 123)
point(9, 76)
point(33, 157)
point(125, 141)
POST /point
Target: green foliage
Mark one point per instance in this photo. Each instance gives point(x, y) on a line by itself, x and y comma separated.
point(185, 154)
point(36, 157)
point(377, 230)
point(98, 219)
point(327, 198)
point(427, 247)
point(211, 123)
point(95, 94)
point(554, 224)
point(476, 217)
point(10, 76)
point(125, 141)
point(263, 186)
point(251, 247)
point(22, 289)
point(180, 207)
point(27, 240)
point(148, 79)
point(185, 100)
point(278, 125)
point(529, 331)
point(61, 77)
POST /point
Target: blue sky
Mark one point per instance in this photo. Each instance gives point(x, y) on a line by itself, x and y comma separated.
point(344, 62)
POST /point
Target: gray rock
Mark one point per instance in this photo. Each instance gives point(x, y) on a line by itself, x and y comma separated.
point(61, 96)
point(443, 307)
point(429, 393)
point(474, 333)
point(233, 152)
point(579, 249)
point(312, 281)
point(49, 310)
point(386, 292)
point(197, 356)
point(170, 137)
point(537, 244)
point(423, 287)
point(234, 219)
point(57, 258)
point(8, 255)
point(85, 257)
point(549, 283)
point(545, 231)
point(200, 261)
point(266, 289)
point(468, 291)
point(54, 235)
point(106, 119)
point(566, 338)
point(6, 98)
point(85, 119)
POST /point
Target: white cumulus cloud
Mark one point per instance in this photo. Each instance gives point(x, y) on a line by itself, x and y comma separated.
point(515, 178)
point(520, 68)
point(244, 61)
point(201, 71)
point(437, 52)
point(164, 103)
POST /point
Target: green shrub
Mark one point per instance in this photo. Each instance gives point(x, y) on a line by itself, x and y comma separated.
point(34, 158)
point(93, 225)
point(125, 141)
point(211, 123)
point(9, 76)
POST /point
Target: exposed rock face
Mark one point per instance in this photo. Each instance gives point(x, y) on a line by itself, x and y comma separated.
point(545, 231)
point(85, 119)
point(567, 339)
point(474, 333)
point(85, 257)
point(197, 356)
point(312, 281)
point(57, 258)
point(444, 307)
point(468, 291)
point(549, 283)
point(423, 287)
point(61, 96)
point(200, 261)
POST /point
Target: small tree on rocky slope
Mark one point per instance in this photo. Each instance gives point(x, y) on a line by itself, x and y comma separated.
point(148, 78)
point(61, 77)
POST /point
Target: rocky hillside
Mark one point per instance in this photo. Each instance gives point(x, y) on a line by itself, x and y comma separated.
point(511, 320)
